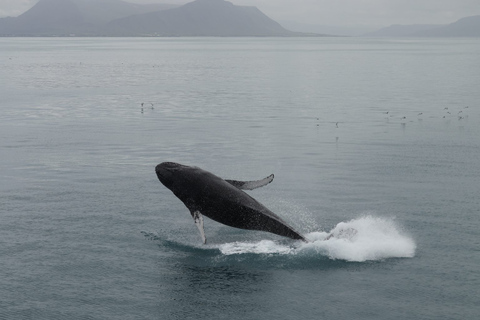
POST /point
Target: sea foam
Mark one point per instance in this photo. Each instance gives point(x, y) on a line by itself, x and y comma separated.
point(362, 239)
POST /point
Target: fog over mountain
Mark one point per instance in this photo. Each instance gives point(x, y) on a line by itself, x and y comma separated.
point(197, 18)
point(120, 18)
point(66, 17)
point(347, 17)
point(327, 29)
point(465, 27)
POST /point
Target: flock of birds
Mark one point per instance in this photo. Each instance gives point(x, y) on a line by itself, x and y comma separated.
point(448, 113)
point(143, 104)
point(460, 114)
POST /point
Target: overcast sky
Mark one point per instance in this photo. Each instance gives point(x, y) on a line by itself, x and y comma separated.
point(377, 13)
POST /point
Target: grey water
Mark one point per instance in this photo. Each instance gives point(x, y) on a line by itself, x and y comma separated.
point(379, 135)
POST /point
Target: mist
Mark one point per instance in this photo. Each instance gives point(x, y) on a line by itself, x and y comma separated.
point(341, 13)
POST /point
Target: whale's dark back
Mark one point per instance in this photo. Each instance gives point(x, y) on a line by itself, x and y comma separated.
point(219, 200)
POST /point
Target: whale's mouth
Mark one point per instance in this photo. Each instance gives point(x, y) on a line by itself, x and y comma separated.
point(164, 171)
point(160, 171)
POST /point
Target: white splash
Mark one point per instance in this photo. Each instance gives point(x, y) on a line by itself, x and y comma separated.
point(362, 239)
point(261, 247)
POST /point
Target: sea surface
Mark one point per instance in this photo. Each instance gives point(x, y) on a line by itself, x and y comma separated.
point(377, 135)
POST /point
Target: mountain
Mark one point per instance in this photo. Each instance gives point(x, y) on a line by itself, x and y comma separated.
point(47, 16)
point(65, 17)
point(120, 18)
point(465, 27)
point(200, 18)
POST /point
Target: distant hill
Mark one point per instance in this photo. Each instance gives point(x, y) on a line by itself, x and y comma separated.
point(120, 18)
point(66, 17)
point(46, 17)
point(465, 27)
point(200, 18)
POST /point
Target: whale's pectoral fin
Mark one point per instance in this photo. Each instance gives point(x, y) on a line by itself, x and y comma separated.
point(250, 185)
point(198, 218)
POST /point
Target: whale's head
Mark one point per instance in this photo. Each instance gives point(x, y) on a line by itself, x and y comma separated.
point(169, 172)
point(188, 183)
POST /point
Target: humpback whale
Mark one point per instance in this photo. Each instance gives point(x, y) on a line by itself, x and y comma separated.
point(224, 201)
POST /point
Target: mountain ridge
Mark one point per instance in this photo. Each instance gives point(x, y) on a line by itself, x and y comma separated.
point(203, 18)
point(464, 27)
point(121, 18)
point(66, 17)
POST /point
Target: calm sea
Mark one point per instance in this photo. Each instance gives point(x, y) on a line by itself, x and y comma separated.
point(378, 135)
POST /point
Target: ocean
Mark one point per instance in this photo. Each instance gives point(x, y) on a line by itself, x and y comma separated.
point(377, 135)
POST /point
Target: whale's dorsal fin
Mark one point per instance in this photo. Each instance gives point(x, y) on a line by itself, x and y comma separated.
point(250, 185)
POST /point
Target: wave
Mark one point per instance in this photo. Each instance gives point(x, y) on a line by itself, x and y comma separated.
point(368, 238)
point(364, 239)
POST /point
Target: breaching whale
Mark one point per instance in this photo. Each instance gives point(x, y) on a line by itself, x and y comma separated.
point(203, 193)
